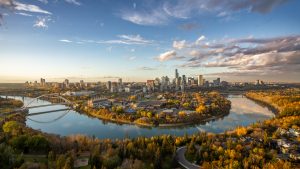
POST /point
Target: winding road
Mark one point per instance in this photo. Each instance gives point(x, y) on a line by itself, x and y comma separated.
point(183, 161)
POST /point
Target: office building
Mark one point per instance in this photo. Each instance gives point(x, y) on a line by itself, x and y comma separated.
point(67, 84)
point(176, 73)
point(200, 80)
point(108, 85)
point(82, 84)
point(43, 82)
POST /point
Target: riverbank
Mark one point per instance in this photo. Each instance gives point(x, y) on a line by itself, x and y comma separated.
point(275, 109)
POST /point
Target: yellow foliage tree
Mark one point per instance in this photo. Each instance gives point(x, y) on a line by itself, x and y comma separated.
point(182, 114)
point(201, 109)
point(240, 131)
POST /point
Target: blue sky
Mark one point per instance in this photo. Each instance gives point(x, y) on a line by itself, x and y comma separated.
point(96, 40)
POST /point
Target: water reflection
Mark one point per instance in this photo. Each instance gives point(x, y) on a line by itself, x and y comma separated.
point(242, 113)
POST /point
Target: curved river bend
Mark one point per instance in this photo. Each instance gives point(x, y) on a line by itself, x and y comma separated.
point(243, 112)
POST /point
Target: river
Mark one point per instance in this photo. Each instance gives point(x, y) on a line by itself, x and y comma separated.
point(243, 112)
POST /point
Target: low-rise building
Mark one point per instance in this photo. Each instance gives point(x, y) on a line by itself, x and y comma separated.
point(127, 89)
point(99, 103)
point(154, 104)
point(79, 93)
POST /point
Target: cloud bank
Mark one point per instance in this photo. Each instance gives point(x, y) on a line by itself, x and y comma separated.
point(164, 11)
point(259, 56)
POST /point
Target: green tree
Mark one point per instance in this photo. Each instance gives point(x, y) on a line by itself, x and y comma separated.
point(95, 160)
point(12, 127)
point(69, 163)
point(60, 162)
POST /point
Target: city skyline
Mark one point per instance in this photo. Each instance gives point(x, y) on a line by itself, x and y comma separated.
point(237, 41)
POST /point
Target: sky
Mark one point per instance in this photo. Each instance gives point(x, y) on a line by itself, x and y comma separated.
point(100, 40)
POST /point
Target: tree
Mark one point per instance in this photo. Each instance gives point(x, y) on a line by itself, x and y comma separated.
point(19, 142)
point(60, 162)
point(12, 127)
point(69, 163)
point(132, 98)
point(51, 156)
point(132, 164)
point(186, 105)
point(119, 110)
point(96, 158)
point(38, 143)
point(6, 156)
point(201, 109)
point(240, 131)
point(149, 114)
point(157, 158)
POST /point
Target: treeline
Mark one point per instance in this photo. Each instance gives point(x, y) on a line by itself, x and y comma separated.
point(286, 101)
point(8, 104)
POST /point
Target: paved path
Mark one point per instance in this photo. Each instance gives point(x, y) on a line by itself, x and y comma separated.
point(182, 161)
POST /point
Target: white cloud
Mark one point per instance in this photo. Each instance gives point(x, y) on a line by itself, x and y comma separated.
point(184, 44)
point(179, 44)
point(65, 40)
point(135, 39)
point(29, 8)
point(200, 39)
point(181, 12)
point(128, 40)
point(154, 17)
point(146, 68)
point(23, 14)
point(75, 2)
point(167, 56)
point(41, 22)
point(194, 53)
point(223, 14)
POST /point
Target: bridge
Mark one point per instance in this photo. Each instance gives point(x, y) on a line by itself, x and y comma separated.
point(46, 105)
point(59, 100)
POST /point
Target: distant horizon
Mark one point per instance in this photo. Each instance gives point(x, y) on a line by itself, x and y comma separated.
point(88, 80)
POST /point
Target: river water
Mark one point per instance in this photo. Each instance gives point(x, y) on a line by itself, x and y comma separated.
point(243, 112)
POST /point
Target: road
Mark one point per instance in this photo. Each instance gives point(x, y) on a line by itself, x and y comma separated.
point(182, 161)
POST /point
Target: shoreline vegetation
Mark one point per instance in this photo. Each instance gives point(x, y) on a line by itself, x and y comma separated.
point(245, 147)
point(206, 107)
point(7, 104)
point(263, 103)
point(120, 121)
